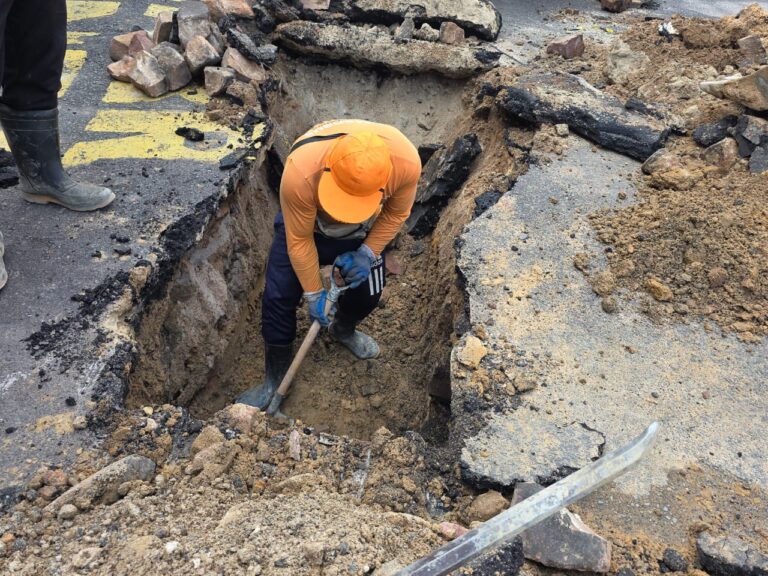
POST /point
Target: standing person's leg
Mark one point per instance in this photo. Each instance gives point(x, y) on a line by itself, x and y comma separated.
point(33, 48)
point(354, 304)
point(282, 294)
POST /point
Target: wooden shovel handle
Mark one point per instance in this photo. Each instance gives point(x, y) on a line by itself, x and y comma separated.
point(309, 339)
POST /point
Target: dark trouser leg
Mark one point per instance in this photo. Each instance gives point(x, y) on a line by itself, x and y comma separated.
point(356, 304)
point(282, 292)
point(33, 39)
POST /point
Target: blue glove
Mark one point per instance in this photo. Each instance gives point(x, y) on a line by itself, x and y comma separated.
point(355, 266)
point(316, 304)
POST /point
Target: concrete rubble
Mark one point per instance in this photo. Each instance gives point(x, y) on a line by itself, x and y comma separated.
point(563, 540)
point(568, 99)
point(568, 47)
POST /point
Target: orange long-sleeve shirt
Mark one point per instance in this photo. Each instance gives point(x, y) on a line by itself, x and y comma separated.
point(298, 194)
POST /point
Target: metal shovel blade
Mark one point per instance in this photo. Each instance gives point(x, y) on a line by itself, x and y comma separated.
point(533, 510)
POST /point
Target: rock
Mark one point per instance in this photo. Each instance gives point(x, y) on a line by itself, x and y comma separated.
point(562, 130)
point(717, 277)
point(615, 5)
point(238, 8)
point(604, 283)
point(314, 553)
point(623, 62)
point(56, 478)
point(103, 485)
point(212, 462)
point(67, 512)
point(140, 43)
point(667, 171)
point(390, 568)
point(708, 134)
point(405, 30)
point(217, 80)
point(86, 557)
point(244, 69)
point(239, 416)
point(753, 48)
point(758, 162)
point(139, 548)
point(493, 456)
point(563, 541)
point(567, 46)
point(171, 548)
point(148, 76)
point(450, 33)
point(174, 65)
point(80, 422)
point(120, 44)
point(478, 18)
point(723, 154)
point(749, 132)
point(294, 445)
point(729, 556)
point(427, 33)
point(486, 506)
point(750, 91)
point(374, 48)
point(555, 98)
point(243, 93)
point(163, 27)
point(441, 178)
point(472, 352)
point(658, 290)
point(674, 561)
point(199, 54)
point(193, 21)
point(315, 4)
point(209, 436)
point(609, 304)
point(450, 531)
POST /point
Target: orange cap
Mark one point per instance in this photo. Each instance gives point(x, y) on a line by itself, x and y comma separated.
point(357, 170)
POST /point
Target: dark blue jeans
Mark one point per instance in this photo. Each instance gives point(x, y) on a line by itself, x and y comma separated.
point(283, 292)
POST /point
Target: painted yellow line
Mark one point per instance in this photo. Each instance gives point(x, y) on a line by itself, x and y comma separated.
point(125, 93)
point(154, 9)
point(85, 9)
point(78, 37)
point(153, 137)
point(73, 62)
point(3, 141)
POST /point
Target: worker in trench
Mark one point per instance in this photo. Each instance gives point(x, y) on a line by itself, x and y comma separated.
point(347, 188)
point(33, 39)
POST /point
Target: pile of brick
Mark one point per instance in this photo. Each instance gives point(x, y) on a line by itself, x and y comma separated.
point(221, 42)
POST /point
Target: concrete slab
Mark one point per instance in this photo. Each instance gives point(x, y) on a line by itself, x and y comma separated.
point(613, 372)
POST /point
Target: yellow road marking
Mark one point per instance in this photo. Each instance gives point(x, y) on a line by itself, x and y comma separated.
point(85, 9)
point(78, 37)
point(73, 62)
point(154, 137)
point(154, 9)
point(125, 93)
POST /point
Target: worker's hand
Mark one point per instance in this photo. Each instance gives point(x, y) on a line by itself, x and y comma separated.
point(316, 304)
point(355, 266)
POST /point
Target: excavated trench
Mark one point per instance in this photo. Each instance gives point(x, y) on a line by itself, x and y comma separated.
point(201, 345)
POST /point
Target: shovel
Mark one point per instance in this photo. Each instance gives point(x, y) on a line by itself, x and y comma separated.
point(282, 391)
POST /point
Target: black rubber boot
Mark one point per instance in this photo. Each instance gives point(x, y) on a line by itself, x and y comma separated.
point(3, 273)
point(277, 360)
point(34, 140)
point(359, 343)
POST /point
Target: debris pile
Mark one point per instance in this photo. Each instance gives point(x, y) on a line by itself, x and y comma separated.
point(219, 42)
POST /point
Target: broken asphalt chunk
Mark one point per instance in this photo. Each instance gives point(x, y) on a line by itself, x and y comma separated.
point(707, 134)
point(374, 48)
point(559, 98)
point(191, 134)
point(749, 132)
point(563, 540)
point(478, 18)
point(527, 446)
point(729, 556)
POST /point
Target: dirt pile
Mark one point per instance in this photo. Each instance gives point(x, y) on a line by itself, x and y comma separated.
point(694, 243)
